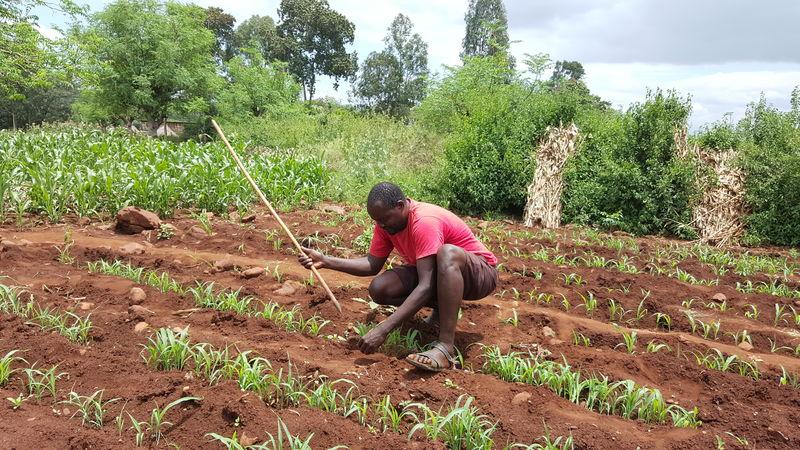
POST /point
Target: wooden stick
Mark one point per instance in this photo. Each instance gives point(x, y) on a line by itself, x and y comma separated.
point(274, 213)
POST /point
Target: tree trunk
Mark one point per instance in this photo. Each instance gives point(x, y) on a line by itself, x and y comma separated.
point(13, 120)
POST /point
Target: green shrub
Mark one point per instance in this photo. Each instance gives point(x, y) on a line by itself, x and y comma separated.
point(770, 157)
point(626, 174)
point(492, 121)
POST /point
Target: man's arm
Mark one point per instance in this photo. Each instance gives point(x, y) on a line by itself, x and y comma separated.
point(362, 267)
point(418, 298)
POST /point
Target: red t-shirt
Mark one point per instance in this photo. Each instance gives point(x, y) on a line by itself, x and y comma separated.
point(429, 227)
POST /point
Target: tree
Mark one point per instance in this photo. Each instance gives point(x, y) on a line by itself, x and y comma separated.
point(152, 59)
point(28, 60)
point(567, 70)
point(313, 39)
point(393, 81)
point(221, 24)
point(258, 32)
point(537, 64)
point(41, 104)
point(254, 86)
point(487, 29)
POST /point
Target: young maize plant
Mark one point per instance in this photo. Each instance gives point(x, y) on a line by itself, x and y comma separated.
point(752, 312)
point(390, 417)
point(156, 425)
point(580, 339)
point(514, 319)
point(597, 393)
point(167, 349)
point(204, 219)
point(5, 366)
point(716, 360)
point(589, 303)
point(41, 382)
point(655, 347)
point(92, 408)
point(663, 320)
point(788, 379)
point(460, 427)
point(558, 443)
point(64, 256)
point(11, 301)
point(616, 311)
point(209, 363)
point(740, 336)
point(628, 341)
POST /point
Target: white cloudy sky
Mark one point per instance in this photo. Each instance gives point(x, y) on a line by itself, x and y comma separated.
point(721, 53)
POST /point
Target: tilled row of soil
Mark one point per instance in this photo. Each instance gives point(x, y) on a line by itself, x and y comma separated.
point(761, 410)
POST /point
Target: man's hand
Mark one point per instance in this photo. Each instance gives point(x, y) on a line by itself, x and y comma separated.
point(312, 258)
point(371, 341)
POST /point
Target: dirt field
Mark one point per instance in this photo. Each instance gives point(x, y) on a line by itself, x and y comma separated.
point(544, 296)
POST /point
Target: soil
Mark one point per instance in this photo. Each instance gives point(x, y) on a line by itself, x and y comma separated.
point(761, 411)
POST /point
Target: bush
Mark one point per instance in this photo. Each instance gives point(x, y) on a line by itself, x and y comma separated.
point(770, 156)
point(492, 121)
point(626, 174)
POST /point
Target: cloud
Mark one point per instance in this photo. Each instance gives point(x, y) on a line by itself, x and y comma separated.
point(674, 32)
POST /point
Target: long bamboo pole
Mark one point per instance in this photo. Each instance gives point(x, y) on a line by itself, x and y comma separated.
point(274, 213)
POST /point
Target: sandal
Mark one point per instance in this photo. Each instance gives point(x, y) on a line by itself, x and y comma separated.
point(434, 365)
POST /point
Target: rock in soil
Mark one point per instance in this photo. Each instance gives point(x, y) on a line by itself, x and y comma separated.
point(133, 220)
point(224, 264)
point(521, 398)
point(548, 332)
point(249, 218)
point(719, 297)
point(197, 232)
point(85, 306)
point(132, 249)
point(746, 346)
point(137, 296)
point(139, 311)
point(332, 209)
point(287, 289)
point(253, 272)
point(141, 326)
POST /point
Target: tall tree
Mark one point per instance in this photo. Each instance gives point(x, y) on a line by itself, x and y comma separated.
point(393, 81)
point(222, 25)
point(567, 70)
point(29, 62)
point(487, 29)
point(254, 86)
point(313, 42)
point(152, 59)
point(258, 32)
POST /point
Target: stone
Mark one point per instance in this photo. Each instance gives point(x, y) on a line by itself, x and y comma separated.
point(224, 264)
point(83, 221)
point(132, 248)
point(555, 341)
point(234, 217)
point(719, 297)
point(332, 209)
point(249, 218)
point(521, 398)
point(287, 289)
point(548, 332)
point(141, 326)
point(65, 411)
point(85, 306)
point(82, 351)
point(137, 296)
point(247, 441)
point(137, 310)
point(746, 346)
point(134, 220)
point(253, 272)
point(197, 232)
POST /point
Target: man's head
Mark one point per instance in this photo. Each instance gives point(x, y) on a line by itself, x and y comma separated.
point(388, 207)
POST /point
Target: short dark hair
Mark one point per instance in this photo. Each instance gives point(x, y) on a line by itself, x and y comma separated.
point(387, 193)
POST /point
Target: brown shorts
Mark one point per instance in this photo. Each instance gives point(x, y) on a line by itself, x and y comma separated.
point(480, 279)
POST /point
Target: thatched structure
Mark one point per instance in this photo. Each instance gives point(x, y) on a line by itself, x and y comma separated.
point(718, 218)
point(543, 207)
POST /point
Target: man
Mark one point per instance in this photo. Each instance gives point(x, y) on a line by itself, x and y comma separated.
point(443, 264)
